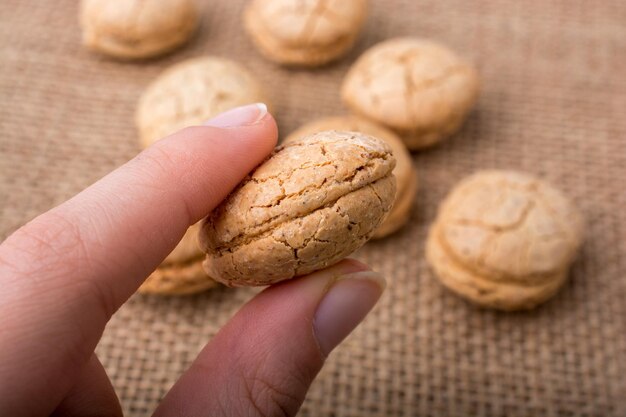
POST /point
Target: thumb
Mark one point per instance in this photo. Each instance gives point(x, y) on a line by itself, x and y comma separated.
point(263, 361)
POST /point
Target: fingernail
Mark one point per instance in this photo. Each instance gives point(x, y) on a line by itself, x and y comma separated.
point(344, 306)
point(239, 116)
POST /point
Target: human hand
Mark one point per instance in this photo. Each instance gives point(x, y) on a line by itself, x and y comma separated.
point(67, 271)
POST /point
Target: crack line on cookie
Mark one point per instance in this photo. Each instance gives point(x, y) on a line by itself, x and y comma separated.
point(270, 222)
point(244, 239)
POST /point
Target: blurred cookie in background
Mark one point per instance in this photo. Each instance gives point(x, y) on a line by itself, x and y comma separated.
point(137, 29)
point(192, 92)
point(405, 172)
point(420, 89)
point(505, 240)
point(305, 33)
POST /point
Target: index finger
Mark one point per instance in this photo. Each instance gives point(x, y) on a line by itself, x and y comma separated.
point(66, 272)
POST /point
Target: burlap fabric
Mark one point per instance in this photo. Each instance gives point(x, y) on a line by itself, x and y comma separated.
point(553, 103)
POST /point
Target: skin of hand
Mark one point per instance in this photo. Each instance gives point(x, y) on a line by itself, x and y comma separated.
point(66, 272)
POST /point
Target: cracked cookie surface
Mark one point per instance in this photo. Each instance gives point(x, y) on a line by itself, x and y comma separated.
point(134, 29)
point(504, 239)
point(191, 92)
point(405, 172)
point(311, 203)
point(418, 88)
point(306, 32)
point(181, 272)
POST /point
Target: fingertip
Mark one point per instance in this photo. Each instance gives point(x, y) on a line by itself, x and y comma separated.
point(269, 127)
point(251, 117)
point(239, 116)
point(256, 138)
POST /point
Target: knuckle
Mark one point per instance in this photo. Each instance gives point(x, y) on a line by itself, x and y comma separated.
point(272, 394)
point(163, 162)
point(51, 250)
point(48, 240)
point(100, 297)
point(153, 164)
point(165, 156)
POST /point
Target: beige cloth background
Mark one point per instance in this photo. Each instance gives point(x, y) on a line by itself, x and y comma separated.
point(553, 103)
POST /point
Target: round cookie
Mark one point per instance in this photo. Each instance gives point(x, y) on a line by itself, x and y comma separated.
point(418, 88)
point(312, 203)
point(181, 272)
point(136, 29)
point(504, 239)
point(304, 33)
point(405, 172)
point(192, 92)
point(506, 296)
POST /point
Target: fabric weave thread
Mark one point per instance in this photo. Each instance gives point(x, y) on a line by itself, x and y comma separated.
point(553, 100)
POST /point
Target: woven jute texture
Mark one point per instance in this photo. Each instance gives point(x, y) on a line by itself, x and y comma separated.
point(553, 104)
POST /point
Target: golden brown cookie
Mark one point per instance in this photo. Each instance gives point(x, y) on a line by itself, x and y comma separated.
point(312, 203)
point(135, 29)
point(418, 88)
point(192, 92)
point(405, 172)
point(304, 33)
point(504, 239)
point(181, 272)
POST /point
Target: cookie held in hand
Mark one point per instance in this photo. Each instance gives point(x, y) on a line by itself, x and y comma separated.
point(310, 204)
point(504, 239)
point(405, 172)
